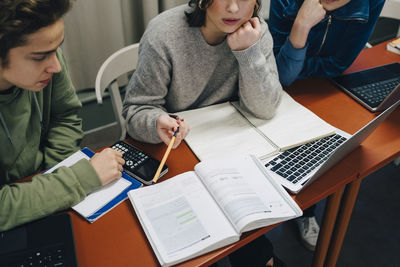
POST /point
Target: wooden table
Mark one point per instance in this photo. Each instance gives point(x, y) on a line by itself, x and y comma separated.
point(117, 238)
point(382, 147)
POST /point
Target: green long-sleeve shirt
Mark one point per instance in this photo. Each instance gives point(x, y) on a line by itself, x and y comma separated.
point(33, 137)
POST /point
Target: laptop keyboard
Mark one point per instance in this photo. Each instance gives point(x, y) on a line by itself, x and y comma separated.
point(374, 94)
point(47, 256)
point(294, 164)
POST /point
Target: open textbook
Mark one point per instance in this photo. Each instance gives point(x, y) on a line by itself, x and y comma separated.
point(103, 199)
point(205, 209)
point(226, 129)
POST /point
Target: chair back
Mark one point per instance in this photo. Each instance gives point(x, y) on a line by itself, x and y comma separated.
point(391, 9)
point(121, 62)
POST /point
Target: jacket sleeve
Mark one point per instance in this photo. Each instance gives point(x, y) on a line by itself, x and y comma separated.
point(347, 50)
point(64, 132)
point(45, 194)
point(289, 60)
point(259, 87)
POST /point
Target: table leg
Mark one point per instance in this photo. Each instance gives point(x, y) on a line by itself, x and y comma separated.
point(349, 199)
point(328, 223)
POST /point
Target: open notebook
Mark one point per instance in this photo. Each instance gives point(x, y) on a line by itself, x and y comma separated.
point(225, 129)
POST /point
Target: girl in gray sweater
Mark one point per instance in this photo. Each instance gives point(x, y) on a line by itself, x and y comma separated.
point(193, 56)
point(198, 55)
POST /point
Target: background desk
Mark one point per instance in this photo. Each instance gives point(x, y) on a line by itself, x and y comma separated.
point(117, 238)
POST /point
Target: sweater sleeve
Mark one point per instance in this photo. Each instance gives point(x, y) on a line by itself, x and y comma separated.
point(259, 87)
point(64, 132)
point(145, 95)
point(46, 193)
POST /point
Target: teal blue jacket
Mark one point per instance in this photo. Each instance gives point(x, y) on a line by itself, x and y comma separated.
point(332, 45)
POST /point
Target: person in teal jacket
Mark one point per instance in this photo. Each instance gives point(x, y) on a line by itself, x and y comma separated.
point(39, 126)
point(319, 38)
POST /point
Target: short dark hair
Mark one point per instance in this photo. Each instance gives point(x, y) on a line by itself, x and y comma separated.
point(19, 18)
point(197, 16)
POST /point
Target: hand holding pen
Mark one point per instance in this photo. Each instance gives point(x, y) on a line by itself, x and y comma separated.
point(171, 143)
point(167, 125)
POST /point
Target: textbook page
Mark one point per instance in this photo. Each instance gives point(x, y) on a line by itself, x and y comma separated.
point(247, 195)
point(180, 218)
point(292, 125)
point(220, 130)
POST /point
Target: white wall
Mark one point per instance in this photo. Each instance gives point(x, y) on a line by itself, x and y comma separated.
point(97, 28)
point(89, 37)
point(94, 29)
point(265, 9)
point(391, 9)
point(167, 4)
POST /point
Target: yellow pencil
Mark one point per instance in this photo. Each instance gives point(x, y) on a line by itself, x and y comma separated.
point(171, 143)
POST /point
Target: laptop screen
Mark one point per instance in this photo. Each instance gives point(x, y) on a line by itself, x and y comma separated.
point(376, 88)
point(369, 76)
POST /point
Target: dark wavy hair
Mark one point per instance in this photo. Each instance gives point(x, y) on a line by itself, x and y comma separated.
point(18, 18)
point(197, 16)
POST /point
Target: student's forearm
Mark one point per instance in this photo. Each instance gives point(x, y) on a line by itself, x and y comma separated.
point(46, 193)
point(299, 34)
point(259, 87)
point(309, 15)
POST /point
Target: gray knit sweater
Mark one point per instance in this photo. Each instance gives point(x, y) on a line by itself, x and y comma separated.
point(178, 70)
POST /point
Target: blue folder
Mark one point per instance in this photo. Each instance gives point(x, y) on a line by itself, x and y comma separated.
point(118, 199)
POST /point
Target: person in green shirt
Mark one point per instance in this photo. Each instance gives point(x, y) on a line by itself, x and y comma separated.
point(39, 126)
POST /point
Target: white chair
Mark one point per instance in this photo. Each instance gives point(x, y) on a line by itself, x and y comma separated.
point(119, 63)
point(391, 9)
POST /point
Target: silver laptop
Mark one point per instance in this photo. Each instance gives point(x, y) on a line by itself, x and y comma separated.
point(298, 167)
point(375, 88)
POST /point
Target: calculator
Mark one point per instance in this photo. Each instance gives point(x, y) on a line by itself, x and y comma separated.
point(138, 164)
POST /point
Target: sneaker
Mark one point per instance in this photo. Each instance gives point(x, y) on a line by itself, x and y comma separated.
point(309, 230)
